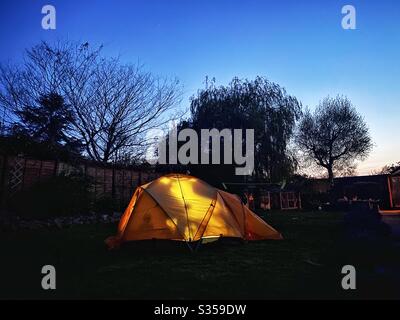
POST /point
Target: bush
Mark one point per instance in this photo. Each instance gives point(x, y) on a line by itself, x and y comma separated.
point(105, 205)
point(63, 195)
point(312, 201)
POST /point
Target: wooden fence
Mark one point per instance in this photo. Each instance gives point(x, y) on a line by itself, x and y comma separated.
point(17, 174)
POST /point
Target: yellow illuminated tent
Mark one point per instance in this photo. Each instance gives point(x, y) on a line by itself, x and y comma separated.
point(181, 207)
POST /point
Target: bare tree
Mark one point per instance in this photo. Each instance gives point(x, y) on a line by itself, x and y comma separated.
point(389, 169)
point(43, 71)
point(11, 96)
point(122, 103)
point(114, 105)
point(334, 136)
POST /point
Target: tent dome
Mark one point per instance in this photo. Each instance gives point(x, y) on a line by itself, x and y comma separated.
point(185, 208)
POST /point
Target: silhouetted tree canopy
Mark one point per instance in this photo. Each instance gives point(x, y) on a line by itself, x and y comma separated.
point(47, 123)
point(243, 104)
point(391, 168)
point(114, 105)
point(334, 136)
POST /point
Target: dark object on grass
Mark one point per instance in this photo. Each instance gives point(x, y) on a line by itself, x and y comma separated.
point(364, 222)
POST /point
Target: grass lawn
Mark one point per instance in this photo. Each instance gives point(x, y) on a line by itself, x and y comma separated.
point(86, 269)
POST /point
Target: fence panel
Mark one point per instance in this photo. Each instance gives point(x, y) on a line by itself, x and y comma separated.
point(17, 174)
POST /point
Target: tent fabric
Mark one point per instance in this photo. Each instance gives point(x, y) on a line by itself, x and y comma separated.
point(185, 208)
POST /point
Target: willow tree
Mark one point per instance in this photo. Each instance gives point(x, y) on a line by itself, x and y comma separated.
point(260, 105)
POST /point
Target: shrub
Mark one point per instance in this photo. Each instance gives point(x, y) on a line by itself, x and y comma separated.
point(63, 195)
point(314, 200)
point(105, 205)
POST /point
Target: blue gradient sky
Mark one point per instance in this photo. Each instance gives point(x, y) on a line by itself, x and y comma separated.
point(298, 44)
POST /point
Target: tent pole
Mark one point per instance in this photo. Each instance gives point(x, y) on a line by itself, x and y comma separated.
point(190, 247)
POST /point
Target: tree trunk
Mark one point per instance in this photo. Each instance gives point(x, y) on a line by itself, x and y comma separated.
point(330, 176)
